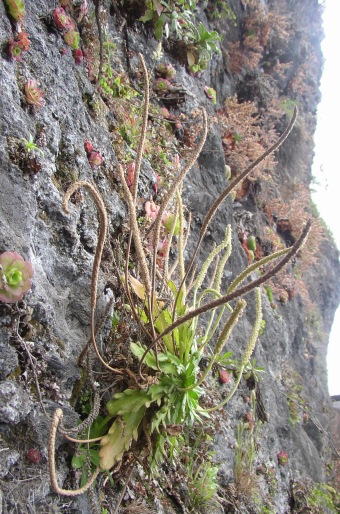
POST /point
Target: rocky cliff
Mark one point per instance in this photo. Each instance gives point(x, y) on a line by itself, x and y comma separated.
point(71, 100)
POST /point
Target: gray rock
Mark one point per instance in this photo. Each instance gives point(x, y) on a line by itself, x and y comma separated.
point(15, 403)
point(7, 461)
point(8, 355)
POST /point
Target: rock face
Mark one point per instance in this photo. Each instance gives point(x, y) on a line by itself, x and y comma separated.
point(270, 61)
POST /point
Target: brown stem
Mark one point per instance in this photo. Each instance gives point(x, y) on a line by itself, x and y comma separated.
point(98, 255)
point(56, 420)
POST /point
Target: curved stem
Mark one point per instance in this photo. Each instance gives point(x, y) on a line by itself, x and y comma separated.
point(81, 441)
point(56, 420)
point(98, 255)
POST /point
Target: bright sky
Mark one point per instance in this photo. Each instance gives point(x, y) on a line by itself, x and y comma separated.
point(326, 166)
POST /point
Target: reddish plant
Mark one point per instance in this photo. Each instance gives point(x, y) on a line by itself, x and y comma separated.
point(88, 146)
point(78, 56)
point(282, 458)
point(224, 376)
point(249, 419)
point(164, 112)
point(33, 94)
point(34, 455)
point(157, 184)
point(18, 46)
point(63, 21)
point(162, 86)
point(151, 209)
point(95, 159)
point(22, 37)
point(131, 174)
point(15, 50)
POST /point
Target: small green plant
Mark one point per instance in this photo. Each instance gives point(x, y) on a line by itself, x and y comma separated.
point(30, 146)
point(202, 47)
point(267, 510)
point(117, 87)
point(210, 93)
point(324, 496)
point(269, 292)
point(129, 128)
point(110, 82)
point(202, 482)
point(115, 318)
point(288, 105)
point(254, 372)
point(222, 11)
point(176, 22)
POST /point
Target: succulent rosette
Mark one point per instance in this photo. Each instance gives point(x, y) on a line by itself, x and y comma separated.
point(33, 94)
point(162, 86)
point(15, 277)
point(95, 158)
point(15, 50)
point(63, 21)
point(282, 458)
point(166, 71)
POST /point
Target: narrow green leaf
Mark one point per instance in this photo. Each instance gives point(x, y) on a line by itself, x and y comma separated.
point(159, 26)
point(147, 16)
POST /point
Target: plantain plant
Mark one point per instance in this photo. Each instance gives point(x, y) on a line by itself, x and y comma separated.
point(165, 398)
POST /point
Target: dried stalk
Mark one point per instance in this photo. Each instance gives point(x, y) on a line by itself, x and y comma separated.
point(98, 255)
point(56, 420)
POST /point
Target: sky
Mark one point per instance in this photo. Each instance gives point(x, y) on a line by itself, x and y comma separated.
point(326, 168)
